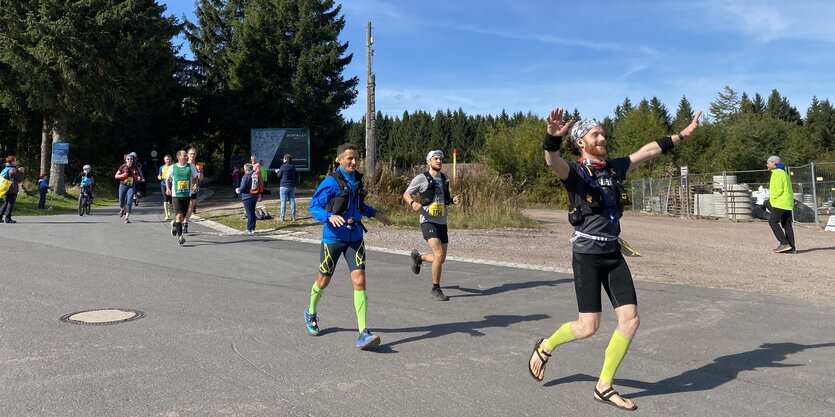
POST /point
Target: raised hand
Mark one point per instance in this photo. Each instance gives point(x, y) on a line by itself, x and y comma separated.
point(556, 125)
point(687, 131)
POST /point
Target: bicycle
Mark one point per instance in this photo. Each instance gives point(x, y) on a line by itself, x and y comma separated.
point(83, 202)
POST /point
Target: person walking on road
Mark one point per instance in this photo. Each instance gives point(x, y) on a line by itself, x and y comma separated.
point(434, 197)
point(287, 186)
point(13, 176)
point(128, 175)
point(596, 197)
point(782, 203)
point(198, 167)
point(161, 176)
point(180, 183)
point(339, 203)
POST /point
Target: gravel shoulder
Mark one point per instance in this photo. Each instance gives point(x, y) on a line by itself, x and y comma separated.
point(694, 252)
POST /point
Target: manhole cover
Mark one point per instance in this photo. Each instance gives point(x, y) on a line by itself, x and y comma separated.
point(103, 316)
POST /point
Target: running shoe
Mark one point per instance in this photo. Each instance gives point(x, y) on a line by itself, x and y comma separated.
point(311, 322)
point(121, 212)
point(782, 248)
point(366, 340)
point(416, 261)
point(185, 227)
point(167, 217)
point(439, 295)
point(10, 221)
point(127, 220)
point(173, 229)
point(181, 240)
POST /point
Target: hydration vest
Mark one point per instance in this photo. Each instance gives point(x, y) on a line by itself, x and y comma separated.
point(428, 197)
point(341, 203)
point(591, 197)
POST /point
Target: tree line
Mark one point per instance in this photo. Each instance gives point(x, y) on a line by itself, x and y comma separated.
point(105, 76)
point(739, 134)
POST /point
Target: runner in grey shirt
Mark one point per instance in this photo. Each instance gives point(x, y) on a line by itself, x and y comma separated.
point(433, 197)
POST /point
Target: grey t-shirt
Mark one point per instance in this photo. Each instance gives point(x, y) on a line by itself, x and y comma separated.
point(435, 212)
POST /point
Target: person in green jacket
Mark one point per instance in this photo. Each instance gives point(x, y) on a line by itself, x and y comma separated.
point(782, 202)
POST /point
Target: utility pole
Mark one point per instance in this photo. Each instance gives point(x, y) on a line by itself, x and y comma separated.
point(370, 113)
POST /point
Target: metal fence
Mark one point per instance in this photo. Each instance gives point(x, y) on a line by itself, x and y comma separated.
point(732, 194)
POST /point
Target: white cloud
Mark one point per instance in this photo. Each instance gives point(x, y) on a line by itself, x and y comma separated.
point(771, 20)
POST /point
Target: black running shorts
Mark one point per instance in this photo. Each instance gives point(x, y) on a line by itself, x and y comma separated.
point(329, 254)
point(179, 205)
point(607, 270)
point(432, 230)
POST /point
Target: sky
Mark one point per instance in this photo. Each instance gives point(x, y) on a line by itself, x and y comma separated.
point(532, 55)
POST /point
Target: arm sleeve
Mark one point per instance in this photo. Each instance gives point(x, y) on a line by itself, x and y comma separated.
point(320, 199)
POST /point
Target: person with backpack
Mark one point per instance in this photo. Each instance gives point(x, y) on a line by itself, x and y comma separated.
point(339, 203)
point(248, 199)
point(432, 187)
point(10, 178)
point(596, 198)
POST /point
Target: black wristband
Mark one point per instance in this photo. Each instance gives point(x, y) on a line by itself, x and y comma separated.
point(665, 143)
point(551, 143)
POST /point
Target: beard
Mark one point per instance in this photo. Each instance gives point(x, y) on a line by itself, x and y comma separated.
point(596, 152)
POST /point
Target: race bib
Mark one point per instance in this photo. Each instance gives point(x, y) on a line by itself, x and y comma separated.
point(129, 181)
point(183, 186)
point(436, 209)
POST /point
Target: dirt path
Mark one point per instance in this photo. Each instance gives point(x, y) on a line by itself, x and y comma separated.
point(702, 253)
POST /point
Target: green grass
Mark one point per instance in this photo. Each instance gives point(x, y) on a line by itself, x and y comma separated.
point(27, 204)
point(234, 217)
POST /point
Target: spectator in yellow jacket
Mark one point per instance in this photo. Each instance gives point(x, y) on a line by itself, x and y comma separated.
point(782, 203)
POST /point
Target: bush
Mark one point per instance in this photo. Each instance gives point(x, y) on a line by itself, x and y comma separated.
point(489, 200)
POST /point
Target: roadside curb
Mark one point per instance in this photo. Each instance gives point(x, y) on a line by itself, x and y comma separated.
point(293, 237)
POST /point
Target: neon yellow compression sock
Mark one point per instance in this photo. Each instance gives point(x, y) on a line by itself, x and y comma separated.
point(315, 295)
point(360, 300)
point(615, 352)
point(562, 335)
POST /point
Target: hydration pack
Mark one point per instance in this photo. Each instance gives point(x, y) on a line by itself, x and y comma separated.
point(428, 197)
point(341, 203)
point(591, 198)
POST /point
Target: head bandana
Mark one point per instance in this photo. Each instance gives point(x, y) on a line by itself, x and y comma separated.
point(581, 128)
point(437, 152)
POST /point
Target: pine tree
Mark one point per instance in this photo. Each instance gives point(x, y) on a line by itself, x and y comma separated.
point(779, 108)
point(725, 106)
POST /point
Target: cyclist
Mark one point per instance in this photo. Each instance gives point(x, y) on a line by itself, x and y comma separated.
point(85, 180)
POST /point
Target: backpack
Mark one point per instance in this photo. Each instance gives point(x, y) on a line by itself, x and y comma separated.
point(261, 213)
point(257, 185)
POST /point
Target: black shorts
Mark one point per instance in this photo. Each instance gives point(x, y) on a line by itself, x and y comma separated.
point(607, 270)
point(329, 254)
point(193, 196)
point(166, 197)
point(179, 205)
point(432, 230)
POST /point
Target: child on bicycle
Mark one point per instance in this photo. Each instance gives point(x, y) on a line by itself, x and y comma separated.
point(85, 180)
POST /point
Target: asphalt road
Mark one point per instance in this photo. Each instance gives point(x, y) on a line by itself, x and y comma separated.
point(223, 335)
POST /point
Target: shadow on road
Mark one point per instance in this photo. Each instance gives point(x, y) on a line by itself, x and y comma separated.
point(814, 249)
point(473, 292)
point(722, 370)
point(471, 328)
